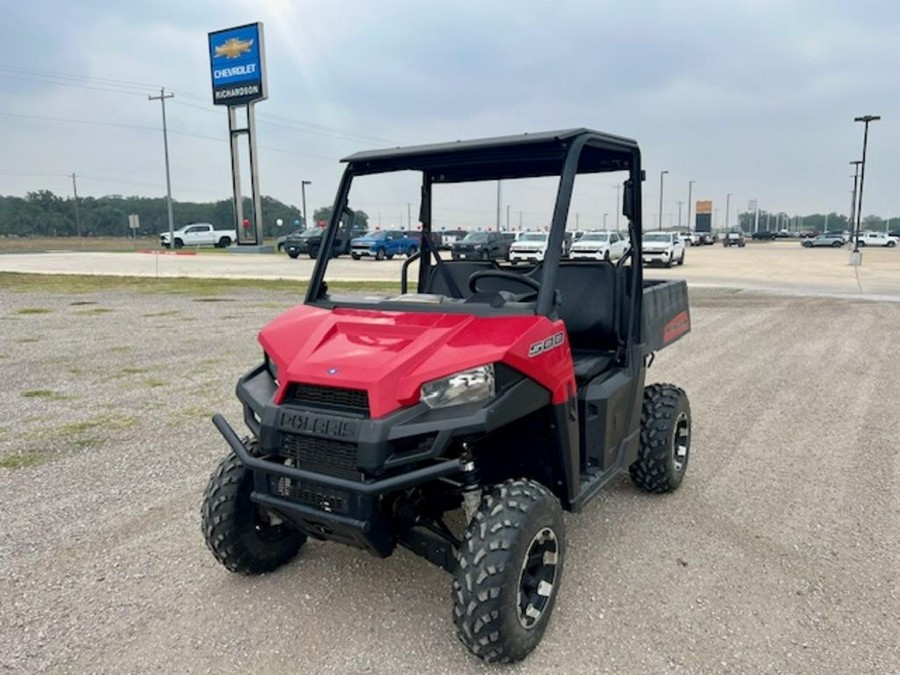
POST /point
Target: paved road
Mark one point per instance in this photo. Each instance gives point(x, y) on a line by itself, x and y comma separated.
point(783, 267)
point(778, 555)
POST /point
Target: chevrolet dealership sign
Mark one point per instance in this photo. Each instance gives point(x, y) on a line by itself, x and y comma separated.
point(237, 64)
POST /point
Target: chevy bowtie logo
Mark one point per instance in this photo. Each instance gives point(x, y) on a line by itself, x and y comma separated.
point(233, 48)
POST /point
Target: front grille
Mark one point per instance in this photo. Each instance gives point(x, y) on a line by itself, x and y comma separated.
point(318, 496)
point(320, 455)
point(329, 398)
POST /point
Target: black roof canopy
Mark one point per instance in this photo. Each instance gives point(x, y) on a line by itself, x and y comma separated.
point(521, 156)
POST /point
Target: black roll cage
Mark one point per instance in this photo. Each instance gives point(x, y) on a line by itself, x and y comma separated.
point(565, 153)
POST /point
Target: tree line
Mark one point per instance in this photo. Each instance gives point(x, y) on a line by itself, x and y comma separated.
point(818, 222)
point(43, 213)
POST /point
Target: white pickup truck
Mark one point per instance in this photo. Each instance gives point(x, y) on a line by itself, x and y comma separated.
point(199, 234)
point(665, 248)
point(877, 239)
point(599, 246)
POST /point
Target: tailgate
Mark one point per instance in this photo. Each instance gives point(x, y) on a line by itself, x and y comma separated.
point(667, 315)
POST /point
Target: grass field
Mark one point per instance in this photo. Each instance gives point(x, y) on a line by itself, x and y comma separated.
point(32, 244)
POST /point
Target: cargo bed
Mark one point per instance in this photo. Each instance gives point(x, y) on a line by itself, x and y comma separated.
point(666, 315)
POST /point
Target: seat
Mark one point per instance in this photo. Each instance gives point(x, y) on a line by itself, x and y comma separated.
point(589, 364)
point(459, 271)
point(588, 303)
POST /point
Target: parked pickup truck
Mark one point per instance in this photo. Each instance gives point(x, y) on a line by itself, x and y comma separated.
point(532, 246)
point(483, 246)
point(877, 239)
point(599, 246)
point(665, 248)
point(384, 244)
point(199, 234)
point(309, 242)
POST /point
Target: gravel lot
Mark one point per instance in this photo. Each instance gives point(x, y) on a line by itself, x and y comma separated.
point(779, 553)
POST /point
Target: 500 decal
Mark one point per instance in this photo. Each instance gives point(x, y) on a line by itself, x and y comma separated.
point(546, 345)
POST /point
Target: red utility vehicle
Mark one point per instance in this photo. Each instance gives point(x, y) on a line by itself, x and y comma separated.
point(509, 393)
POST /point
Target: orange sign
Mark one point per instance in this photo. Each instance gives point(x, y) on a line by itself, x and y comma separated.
point(704, 206)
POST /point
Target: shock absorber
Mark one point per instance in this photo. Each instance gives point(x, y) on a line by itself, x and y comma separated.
point(471, 490)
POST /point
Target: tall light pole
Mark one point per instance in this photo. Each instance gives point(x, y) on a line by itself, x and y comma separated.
point(679, 213)
point(507, 217)
point(855, 165)
point(661, 175)
point(690, 194)
point(862, 174)
point(162, 99)
point(303, 184)
point(727, 209)
point(618, 208)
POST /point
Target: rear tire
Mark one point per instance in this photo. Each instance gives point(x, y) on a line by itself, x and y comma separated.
point(379, 254)
point(355, 256)
point(313, 252)
point(293, 254)
point(665, 439)
point(838, 244)
point(241, 535)
point(510, 567)
point(891, 244)
point(179, 243)
point(224, 242)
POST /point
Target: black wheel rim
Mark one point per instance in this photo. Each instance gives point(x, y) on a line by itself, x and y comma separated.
point(681, 442)
point(537, 580)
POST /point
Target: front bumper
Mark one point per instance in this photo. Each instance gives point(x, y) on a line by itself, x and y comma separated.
point(328, 472)
point(588, 254)
point(656, 256)
point(534, 256)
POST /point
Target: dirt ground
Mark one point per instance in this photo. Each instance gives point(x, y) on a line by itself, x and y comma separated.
point(779, 554)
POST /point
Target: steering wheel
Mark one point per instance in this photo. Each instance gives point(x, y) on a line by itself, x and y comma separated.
point(535, 286)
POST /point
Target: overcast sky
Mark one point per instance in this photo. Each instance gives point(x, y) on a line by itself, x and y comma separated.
point(754, 98)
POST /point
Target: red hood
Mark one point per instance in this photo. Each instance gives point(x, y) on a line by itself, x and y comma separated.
point(391, 354)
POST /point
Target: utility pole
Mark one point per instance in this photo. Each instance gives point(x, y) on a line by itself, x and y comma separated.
point(618, 208)
point(77, 218)
point(690, 226)
point(499, 193)
point(661, 174)
point(303, 184)
point(162, 99)
point(853, 198)
point(727, 209)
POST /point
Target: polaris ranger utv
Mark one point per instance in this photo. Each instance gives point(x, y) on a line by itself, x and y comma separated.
point(504, 394)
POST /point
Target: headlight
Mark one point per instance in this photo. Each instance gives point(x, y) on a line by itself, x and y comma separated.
point(271, 367)
point(468, 386)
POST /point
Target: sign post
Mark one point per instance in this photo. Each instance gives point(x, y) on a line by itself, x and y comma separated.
point(134, 222)
point(237, 66)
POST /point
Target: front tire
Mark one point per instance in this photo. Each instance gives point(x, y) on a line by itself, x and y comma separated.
point(179, 243)
point(510, 567)
point(243, 537)
point(293, 255)
point(224, 242)
point(665, 439)
point(355, 256)
point(891, 244)
point(379, 254)
point(681, 259)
